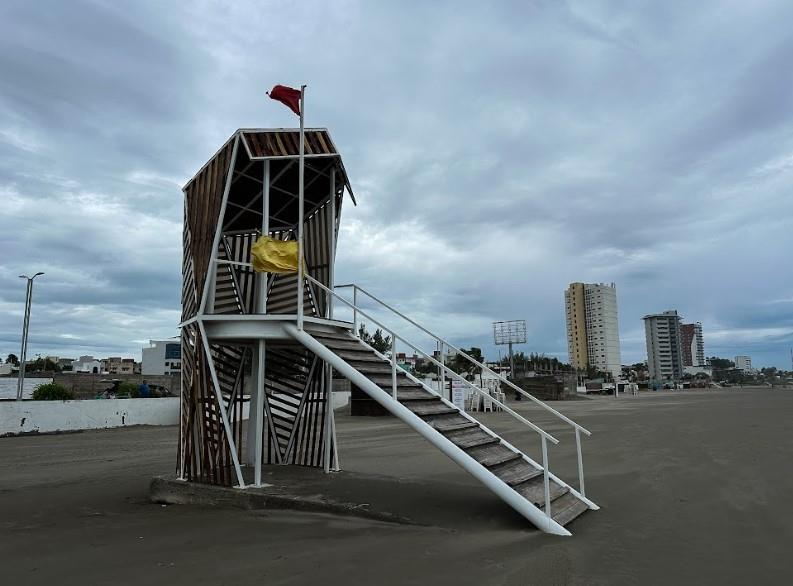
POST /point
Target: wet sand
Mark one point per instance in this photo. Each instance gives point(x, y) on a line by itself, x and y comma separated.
point(694, 487)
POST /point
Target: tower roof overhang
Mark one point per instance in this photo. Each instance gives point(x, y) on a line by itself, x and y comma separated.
point(283, 144)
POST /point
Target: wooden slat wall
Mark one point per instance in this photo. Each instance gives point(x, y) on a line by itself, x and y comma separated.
point(203, 197)
point(282, 143)
point(235, 285)
point(294, 388)
point(295, 396)
point(203, 447)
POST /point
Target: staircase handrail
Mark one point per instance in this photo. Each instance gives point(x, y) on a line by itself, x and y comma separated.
point(466, 356)
point(395, 336)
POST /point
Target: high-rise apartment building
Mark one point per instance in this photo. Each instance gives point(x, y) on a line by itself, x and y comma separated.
point(692, 345)
point(593, 336)
point(664, 346)
point(744, 363)
point(162, 357)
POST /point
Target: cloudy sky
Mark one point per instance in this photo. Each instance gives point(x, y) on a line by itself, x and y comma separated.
point(498, 151)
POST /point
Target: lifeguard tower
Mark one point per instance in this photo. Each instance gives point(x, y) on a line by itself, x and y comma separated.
point(260, 346)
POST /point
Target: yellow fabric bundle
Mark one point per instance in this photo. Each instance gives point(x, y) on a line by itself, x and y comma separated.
point(269, 255)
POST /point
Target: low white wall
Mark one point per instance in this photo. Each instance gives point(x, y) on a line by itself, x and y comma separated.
point(43, 416)
point(340, 399)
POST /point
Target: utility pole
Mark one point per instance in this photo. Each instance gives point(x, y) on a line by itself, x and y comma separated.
point(25, 324)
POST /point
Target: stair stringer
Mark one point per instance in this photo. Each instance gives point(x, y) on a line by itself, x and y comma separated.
point(533, 514)
point(551, 476)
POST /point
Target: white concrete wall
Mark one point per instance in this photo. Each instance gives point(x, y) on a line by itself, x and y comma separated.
point(340, 399)
point(43, 416)
point(47, 416)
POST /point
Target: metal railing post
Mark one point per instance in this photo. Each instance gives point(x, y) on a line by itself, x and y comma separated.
point(355, 309)
point(470, 359)
point(580, 462)
point(545, 477)
point(429, 355)
point(393, 366)
point(442, 389)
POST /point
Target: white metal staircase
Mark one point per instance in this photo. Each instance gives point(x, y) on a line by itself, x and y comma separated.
point(526, 485)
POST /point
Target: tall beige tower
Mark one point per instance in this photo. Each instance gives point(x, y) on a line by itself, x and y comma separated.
point(592, 327)
point(575, 311)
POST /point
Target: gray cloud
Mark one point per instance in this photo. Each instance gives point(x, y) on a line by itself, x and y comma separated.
point(499, 152)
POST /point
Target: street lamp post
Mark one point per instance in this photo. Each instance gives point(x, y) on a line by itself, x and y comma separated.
point(25, 324)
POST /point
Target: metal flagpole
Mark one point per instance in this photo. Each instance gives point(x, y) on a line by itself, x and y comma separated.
point(300, 212)
point(261, 356)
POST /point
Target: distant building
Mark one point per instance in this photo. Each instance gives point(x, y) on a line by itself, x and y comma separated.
point(162, 357)
point(698, 370)
point(118, 365)
point(404, 358)
point(448, 357)
point(692, 347)
point(743, 363)
point(65, 363)
point(664, 346)
point(87, 364)
point(592, 327)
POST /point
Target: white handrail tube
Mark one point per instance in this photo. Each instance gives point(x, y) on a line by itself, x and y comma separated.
point(469, 358)
point(393, 367)
point(506, 444)
point(460, 457)
point(446, 368)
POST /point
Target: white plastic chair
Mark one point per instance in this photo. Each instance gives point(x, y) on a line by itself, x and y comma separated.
point(487, 403)
point(473, 401)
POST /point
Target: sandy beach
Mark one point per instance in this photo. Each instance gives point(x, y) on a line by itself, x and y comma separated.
point(694, 488)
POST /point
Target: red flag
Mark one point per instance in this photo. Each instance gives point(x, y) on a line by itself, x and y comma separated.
point(288, 96)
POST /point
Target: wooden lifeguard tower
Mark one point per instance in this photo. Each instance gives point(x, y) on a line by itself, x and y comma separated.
point(258, 346)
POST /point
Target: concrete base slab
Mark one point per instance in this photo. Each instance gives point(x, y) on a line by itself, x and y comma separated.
point(291, 487)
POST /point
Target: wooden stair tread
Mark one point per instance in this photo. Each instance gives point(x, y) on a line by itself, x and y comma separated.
point(341, 336)
point(488, 450)
point(372, 367)
point(566, 508)
point(415, 394)
point(363, 356)
point(457, 426)
point(471, 438)
point(385, 381)
point(534, 491)
point(492, 455)
point(351, 344)
point(516, 472)
point(448, 421)
point(429, 407)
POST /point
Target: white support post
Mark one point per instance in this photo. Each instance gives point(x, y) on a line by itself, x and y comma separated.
point(262, 277)
point(546, 482)
point(257, 417)
point(393, 367)
point(580, 461)
point(219, 397)
point(355, 310)
point(250, 450)
point(327, 384)
point(259, 413)
point(336, 466)
point(442, 359)
point(300, 211)
point(332, 240)
point(213, 275)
